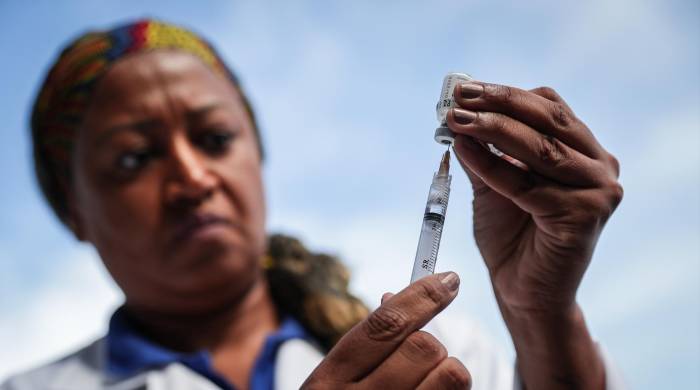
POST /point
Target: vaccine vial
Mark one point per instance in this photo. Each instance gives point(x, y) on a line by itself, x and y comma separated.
point(443, 135)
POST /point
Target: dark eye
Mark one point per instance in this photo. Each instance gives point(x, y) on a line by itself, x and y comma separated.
point(215, 141)
point(133, 161)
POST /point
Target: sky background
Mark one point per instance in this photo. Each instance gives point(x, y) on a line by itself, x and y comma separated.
point(345, 94)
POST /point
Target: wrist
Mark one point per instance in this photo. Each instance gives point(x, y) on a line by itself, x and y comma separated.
point(539, 327)
point(538, 299)
point(554, 348)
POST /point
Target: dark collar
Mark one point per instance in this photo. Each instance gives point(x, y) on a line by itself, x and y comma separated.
point(130, 352)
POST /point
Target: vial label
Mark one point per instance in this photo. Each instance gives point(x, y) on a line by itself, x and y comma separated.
point(447, 99)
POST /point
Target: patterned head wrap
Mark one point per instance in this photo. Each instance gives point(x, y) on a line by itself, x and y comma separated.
point(65, 94)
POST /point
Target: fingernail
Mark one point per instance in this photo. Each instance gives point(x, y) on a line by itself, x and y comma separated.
point(464, 117)
point(470, 90)
point(451, 280)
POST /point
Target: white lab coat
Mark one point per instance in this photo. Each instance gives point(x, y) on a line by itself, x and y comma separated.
point(296, 359)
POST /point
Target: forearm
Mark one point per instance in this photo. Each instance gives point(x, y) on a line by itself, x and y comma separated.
point(555, 351)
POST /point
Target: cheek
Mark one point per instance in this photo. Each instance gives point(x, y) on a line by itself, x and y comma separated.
point(243, 188)
point(122, 218)
point(259, 211)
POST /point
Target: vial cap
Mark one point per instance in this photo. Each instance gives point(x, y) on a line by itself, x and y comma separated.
point(445, 136)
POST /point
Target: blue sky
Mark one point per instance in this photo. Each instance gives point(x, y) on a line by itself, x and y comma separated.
point(345, 93)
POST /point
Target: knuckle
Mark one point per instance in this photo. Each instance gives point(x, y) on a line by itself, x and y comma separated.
point(615, 164)
point(386, 323)
point(551, 151)
point(617, 192)
point(606, 201)
point(424, 346)
point(430, 290)
point(499, 94)
point(593, 211)
point(562, 117)
point(454, 375)
point(500, 123)
point(547, 91)
point(493, 123)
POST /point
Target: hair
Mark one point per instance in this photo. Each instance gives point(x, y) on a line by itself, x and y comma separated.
point(311, 287)
point(66, 92)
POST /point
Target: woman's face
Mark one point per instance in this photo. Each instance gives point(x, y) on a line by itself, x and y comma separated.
point(167, 184)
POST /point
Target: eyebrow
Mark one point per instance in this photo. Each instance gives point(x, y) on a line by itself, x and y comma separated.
point(141, 126)
point(144, 126)
point(195, 114)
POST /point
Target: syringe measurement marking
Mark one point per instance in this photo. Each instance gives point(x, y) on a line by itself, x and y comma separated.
point(433, 220)
point(429, 264)
point(436, 220)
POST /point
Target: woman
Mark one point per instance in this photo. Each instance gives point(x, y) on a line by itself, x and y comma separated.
point(146, 147)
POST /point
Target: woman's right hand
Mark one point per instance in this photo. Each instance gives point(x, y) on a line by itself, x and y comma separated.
point(388, 351)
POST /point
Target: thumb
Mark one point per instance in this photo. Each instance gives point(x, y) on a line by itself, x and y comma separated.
point(462, 146)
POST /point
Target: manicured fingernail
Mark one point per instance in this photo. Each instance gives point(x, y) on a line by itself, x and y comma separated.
point(451, 280)
point(471, 90)
point(464, 117)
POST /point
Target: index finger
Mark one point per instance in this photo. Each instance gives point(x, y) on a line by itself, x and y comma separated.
point(371, 341)
point(549, 116)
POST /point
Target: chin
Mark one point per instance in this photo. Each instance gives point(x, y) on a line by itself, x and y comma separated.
point(214, 263)
point(213, 247)
point(212, 282)
point(197, 276)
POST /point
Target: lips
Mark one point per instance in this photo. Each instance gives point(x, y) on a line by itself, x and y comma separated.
point(195, 224)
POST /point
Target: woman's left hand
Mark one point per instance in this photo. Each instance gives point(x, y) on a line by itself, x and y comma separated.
point(537, 219)
point(539, 209)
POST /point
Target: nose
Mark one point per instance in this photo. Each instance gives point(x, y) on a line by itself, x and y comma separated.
point(189, 181)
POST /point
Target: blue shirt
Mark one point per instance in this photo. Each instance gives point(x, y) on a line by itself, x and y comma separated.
point(129, 352)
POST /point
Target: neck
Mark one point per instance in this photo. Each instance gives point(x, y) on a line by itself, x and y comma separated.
point(250, 317)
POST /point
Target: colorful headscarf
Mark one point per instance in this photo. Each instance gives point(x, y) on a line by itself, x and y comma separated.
point(66, 92)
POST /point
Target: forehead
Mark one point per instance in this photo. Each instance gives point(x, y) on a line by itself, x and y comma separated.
point(145, 81)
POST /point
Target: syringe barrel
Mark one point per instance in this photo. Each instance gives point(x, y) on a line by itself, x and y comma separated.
point(431, 229)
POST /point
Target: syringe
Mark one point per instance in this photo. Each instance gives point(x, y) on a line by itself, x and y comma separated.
point(433, 221)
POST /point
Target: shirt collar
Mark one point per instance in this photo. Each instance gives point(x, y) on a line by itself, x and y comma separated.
point(130, 352)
